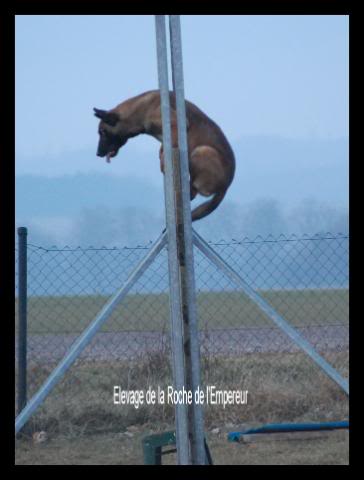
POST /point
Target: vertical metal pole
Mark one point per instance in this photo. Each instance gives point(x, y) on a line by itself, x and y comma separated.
point(22, 318)
point(88, 334)
point(182, 438)
point(192, 349)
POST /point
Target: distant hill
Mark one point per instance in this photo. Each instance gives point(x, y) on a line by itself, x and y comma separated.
point(68, 194)
point(291, 170)
point(280, 186)
point(284, 169)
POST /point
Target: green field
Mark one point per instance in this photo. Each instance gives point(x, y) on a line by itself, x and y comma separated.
point(283, 386)
point(71, 314)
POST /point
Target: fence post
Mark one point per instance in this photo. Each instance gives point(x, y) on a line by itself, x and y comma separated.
point(187, 275)
point(22, 318)
point(87, 335)
point(170, 155)
point(184, 331)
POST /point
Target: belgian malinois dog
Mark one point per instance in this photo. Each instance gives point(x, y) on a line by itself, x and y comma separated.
point(211, 159)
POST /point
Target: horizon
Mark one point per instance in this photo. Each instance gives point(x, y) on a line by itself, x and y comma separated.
point(276, 85)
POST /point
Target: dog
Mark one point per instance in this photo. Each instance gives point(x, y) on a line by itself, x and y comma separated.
point(211, 158)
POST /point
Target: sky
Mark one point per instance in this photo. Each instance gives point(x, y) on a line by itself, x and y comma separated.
point(276, 85)
point(281, 76)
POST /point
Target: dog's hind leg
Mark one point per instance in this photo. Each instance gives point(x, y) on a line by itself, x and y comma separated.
point(207, 171)
point(207, 178)
point(193, 190)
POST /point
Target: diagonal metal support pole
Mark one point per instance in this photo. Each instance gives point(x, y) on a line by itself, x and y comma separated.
point(220, 263)
point(85, 338)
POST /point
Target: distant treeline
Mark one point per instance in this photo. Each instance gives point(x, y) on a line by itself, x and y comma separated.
point(132, 226)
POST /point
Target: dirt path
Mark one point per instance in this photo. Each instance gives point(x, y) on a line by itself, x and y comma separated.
point(129, 345)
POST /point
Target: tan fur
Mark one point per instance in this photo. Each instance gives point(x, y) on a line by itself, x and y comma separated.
point(211, 159)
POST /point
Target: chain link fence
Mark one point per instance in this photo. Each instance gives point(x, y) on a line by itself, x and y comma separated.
point(305, 279)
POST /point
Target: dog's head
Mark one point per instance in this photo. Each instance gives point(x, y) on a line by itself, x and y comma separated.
point(111, 134)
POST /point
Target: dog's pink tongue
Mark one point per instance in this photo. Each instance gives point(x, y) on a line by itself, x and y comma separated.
point(108, 156)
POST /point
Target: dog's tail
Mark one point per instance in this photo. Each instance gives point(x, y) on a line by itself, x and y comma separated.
point(207, 207)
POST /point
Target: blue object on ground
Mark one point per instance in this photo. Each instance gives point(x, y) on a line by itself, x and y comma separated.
point(288, 427)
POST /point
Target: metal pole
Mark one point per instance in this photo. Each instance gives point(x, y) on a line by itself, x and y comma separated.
point(182, 437)
point(85, 338)
point(22, 318)
point(185, 241)
point(215, 258)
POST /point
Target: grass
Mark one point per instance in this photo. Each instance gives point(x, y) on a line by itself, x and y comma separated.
point(83, 425)
point(281, 388)
point(120, 449)
point(71, 314)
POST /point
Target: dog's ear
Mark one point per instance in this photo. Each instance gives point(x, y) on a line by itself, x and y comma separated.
point(111, 118)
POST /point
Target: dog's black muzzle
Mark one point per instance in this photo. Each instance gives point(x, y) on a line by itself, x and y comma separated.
point(104, 148)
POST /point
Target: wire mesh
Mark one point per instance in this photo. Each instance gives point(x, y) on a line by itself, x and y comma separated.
point(305, 279)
